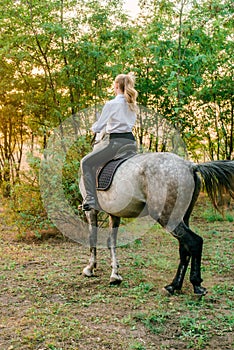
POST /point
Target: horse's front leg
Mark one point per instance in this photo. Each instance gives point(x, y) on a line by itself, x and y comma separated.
point(93, 227)
point(112, 242)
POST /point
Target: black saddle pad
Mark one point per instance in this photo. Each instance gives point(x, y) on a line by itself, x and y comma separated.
point(106, 173)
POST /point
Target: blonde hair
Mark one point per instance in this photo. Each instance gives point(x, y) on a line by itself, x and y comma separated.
point(126, 84)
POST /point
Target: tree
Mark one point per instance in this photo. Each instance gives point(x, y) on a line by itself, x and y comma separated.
point(213, 118)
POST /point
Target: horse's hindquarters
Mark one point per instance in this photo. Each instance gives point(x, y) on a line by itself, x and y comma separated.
point(158, 184)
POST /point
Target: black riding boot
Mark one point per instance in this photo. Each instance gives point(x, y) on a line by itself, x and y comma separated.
point(90, 201)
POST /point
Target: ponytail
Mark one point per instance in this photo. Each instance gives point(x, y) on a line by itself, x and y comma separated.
point(126, 84)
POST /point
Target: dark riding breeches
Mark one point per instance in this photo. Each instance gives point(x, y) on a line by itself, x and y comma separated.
point(101, 154)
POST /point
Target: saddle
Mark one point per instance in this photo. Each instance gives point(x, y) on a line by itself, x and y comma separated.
point(105, 173)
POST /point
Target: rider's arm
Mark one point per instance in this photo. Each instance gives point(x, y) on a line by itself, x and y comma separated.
point(100, 124)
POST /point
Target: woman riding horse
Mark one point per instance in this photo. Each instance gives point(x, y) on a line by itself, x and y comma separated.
point(115, 123)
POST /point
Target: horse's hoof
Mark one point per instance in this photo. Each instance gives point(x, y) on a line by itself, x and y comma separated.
point(168, 290)
point(87, 272)
point(200, 291)
point(115, 280)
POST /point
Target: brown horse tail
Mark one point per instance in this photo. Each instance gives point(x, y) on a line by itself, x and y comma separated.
point(218, 177)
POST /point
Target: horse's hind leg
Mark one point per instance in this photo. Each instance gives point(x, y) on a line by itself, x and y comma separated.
point(177, 282)
point(92, 220)
point(111, 243)
point(185, 255)
point(190, 246)
point(196, 192)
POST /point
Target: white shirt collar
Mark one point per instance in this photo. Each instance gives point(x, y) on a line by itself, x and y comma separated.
point(120, 96)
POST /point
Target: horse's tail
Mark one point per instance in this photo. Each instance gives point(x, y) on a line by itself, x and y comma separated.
point(218, 179)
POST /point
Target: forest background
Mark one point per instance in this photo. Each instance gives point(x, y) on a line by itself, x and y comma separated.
point(59, 59)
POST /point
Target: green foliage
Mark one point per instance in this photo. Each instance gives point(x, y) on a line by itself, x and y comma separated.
point(26, 203)
point(211, 216)
point(154, 322)
point(59, 58)
point(137, 346)
point(28, 212)
point(195, 331)
point(71, 171)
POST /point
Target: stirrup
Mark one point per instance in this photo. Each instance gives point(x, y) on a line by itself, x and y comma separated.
point(87, 207)
point(89, 203)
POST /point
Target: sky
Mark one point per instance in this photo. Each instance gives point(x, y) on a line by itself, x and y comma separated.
point(132, 7)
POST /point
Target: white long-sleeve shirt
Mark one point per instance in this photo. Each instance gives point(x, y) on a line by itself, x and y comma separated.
point(116, 117)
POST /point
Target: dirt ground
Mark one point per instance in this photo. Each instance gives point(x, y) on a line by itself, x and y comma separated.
point(46, 303)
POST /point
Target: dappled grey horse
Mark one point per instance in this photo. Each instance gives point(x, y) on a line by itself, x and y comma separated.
point(166, 187)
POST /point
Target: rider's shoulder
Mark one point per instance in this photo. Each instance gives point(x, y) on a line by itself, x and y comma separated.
point(116, 100)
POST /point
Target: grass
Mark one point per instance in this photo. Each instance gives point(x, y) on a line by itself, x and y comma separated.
point(211, 215)
point(46, 303)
